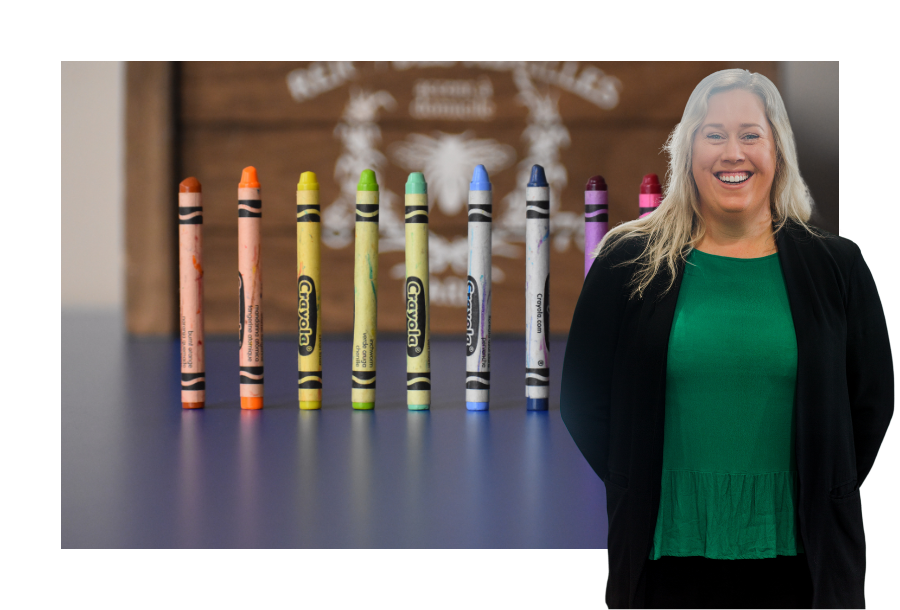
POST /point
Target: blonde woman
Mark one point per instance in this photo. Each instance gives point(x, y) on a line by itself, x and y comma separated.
point(728, 375)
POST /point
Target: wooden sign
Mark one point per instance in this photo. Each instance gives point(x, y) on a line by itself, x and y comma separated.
point(577, 119)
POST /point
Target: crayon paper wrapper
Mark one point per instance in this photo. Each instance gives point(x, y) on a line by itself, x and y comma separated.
point(478, 305)
point(250, 292)
point(537, 284)
point(418, 337)
point(309, 303)
point(365, 300)
point(190, 265)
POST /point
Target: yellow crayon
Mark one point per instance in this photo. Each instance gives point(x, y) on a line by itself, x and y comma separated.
point(309, 295)
point(365, 292)
point(418, 337)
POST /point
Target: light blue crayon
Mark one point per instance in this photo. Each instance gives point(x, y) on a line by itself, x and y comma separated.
point(478, 293)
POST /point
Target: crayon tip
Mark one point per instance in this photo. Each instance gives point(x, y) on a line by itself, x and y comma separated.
point(251, 403)
point(415, 185)
point(310, 405)
point(418, 407)
point(192, 405)
point(477, 406)
point(537, 177)
point(367, 181)
point(480, 180)
point(308, 182)
point(364, 406)
point(189, 185)
point(650, 185)
point(248, 179)
point(596, 183)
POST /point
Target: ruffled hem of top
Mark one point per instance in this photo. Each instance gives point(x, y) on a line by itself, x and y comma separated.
point(727, 515)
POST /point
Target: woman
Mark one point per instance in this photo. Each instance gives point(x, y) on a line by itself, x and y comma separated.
point(728, 375)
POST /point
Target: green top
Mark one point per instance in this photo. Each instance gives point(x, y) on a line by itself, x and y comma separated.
point(415, 185)
point(367, 181)
point(729, 481)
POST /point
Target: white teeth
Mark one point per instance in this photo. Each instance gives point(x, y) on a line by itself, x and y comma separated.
point(734, 179)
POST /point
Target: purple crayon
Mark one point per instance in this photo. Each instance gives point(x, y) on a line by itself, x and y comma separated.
point(596, 218)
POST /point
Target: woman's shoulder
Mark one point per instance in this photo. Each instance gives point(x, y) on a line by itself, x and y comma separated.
point(818, 243)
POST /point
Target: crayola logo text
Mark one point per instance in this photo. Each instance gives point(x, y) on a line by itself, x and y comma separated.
point(473, 309)
point(307, 315)
point(416, 320)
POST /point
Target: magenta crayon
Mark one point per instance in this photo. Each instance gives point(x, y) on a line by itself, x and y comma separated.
point(596, 218)
point(651, 194)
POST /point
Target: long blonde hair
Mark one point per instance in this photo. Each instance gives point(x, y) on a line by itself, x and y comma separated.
point(676, 226)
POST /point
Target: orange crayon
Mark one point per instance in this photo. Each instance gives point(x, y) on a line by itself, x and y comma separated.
point(190, 275)
point(250, 290)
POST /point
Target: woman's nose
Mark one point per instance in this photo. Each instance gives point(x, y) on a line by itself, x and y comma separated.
point(733, 151)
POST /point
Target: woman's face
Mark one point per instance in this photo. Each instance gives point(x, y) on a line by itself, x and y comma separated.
point(733, 156)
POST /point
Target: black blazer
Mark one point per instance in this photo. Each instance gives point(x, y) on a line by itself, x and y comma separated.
point(613, 403)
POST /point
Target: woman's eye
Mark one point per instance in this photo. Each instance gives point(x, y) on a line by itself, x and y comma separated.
point(715, 136)
point(751, 136)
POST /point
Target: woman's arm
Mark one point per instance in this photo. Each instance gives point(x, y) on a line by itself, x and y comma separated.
point(588, 363)
point(870, 371)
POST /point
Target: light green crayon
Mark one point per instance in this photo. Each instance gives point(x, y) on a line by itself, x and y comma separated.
point(418, 337)
point(365, 292)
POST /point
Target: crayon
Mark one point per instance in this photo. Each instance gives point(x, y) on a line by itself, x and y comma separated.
point(478, 293)
point(309, 294)
point(250, 290)
point(190, 272)
point(365, 293)
point(418, 337)
point(651, 193)
point(537, 291)
point(596, 218)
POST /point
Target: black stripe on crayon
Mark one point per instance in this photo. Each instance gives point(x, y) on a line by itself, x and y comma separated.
point(411, 376)
point(544, 205)
point(419, 385)
point(189, 210)
point(536, 382)
point(487, 207)
point(649, 208)
point(482, 374)
point(196, 220)
point(363, 386)
point(190, 376)
point(302, 374)
point(477, 385)
point(256, 204)
point(536, 214)
point(310, 385)
point(597, 218)
point(253, 370)
point(417, 219)
point(311, 206)
point(249, 381)
point(363, 375)
point(588, 208)
point(416, 208)
point(367, 218)
point(249, 214)
point(309, 218)
point(196, 387)
point(366, 207)
point(479, 218)
point(545, 372)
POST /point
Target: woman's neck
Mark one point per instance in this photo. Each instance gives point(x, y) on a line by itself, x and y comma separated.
point(738, 237)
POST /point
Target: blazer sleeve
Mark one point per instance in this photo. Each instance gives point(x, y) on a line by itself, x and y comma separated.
point(588, 364)
point(870, 370)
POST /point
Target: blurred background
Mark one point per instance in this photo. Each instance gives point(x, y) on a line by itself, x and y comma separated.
point(132, 131)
